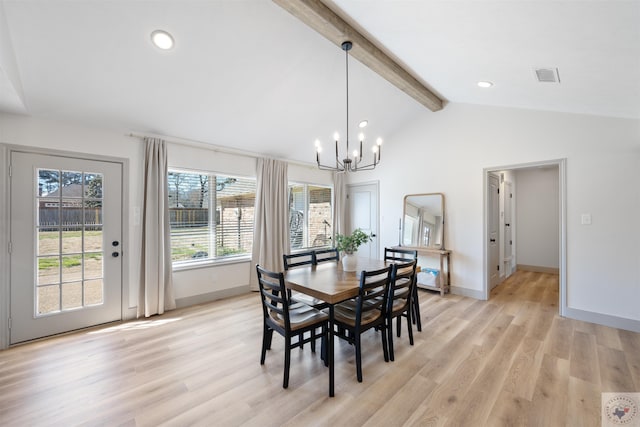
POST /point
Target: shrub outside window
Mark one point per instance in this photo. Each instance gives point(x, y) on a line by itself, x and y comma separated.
point(211, 216)
point(310, 216)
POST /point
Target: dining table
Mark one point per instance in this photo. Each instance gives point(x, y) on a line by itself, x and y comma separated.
point(330, 283)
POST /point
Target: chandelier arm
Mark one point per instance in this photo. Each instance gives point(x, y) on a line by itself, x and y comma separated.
point(338, 167)
point(370, 166)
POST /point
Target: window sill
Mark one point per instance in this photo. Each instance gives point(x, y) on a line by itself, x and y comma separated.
point(210, 263)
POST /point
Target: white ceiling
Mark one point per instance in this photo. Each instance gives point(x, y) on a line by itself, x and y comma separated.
point(248, 75)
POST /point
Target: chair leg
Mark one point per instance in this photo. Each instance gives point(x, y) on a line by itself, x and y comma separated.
point(385, 349)
point(267, 334)
point(390, 339)
point(323, 346)
point(398, 325)
point(313, 340)
point(269, 337)
point(358, 358)
point(409, 325)
point(287, 361)
point(416, 311)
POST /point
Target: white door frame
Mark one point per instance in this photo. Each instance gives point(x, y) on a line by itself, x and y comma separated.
point(562, 191)
point(5, 156)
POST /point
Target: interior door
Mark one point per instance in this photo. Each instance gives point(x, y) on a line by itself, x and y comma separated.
point(494, 231)
point(65, 260)
point(363, 214)
point(508, 226)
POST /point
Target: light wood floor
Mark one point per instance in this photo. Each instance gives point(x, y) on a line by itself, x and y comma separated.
point(509, 361)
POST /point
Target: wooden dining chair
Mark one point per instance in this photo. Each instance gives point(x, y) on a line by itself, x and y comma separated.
point(298, 260)
point(324, 255)
point(399, 254)
point(399, 304)
point(289, 322)
point(366, 311)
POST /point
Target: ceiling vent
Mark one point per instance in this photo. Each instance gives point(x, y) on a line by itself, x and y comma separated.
point(547, 75)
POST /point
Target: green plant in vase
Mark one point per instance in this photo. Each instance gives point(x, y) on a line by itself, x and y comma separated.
point(349, 244)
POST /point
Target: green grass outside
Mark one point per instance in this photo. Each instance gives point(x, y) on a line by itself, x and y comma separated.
point(67, 234)
point(67, 261)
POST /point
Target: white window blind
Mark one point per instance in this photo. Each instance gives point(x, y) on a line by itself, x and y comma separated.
point(211, 216)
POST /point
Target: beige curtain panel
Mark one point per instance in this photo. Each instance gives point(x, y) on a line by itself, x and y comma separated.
point(156, 284)
point(271, 228)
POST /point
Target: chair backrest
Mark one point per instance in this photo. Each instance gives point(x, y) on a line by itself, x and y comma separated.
point(403, 279)
point(275, 299)
point(371, 301)
point(322, 255)
point(397, 254)
point(298, 259)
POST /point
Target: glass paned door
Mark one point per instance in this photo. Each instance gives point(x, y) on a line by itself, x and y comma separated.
point(69, 240)
point(66, 269)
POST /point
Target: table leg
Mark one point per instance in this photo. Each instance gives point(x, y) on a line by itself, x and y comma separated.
point(330, 350)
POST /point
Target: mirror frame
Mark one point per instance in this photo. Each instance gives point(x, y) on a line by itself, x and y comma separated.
point(404, 209)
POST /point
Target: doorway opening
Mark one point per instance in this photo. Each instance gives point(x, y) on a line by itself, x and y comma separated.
point(501, 222)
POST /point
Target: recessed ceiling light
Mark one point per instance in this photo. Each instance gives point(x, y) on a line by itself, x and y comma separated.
point(162, 40)
point(363, 123)
point(485, 84)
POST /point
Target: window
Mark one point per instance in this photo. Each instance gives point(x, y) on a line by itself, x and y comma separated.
point(211, 216)
point(310, 216)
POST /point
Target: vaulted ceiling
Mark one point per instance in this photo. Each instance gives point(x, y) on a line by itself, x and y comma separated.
point(250, 75)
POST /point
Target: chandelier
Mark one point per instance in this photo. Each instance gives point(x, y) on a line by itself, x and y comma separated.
point(351, 161)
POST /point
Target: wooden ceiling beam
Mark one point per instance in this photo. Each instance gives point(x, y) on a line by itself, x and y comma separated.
point(318, 16)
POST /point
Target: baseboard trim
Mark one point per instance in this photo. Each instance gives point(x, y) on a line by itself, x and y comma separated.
point(603, 319)
point(538, 269)
point(471, 293)
point(211, 296)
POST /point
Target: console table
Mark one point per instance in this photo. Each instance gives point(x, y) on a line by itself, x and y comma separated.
point(443, 283)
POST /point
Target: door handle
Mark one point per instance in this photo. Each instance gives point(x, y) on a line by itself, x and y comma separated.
point(373, 235)
point(492, 240)
point(115, 254)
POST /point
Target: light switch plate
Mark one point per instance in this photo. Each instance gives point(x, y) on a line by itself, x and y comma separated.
point(585, 219)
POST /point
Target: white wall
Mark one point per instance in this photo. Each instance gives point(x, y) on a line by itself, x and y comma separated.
point(537, 208)
point(603, 172)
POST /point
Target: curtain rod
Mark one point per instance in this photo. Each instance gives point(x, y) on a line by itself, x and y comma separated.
point(216, 148)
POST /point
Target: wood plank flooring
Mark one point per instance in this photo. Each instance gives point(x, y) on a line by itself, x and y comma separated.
point(509, 361)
